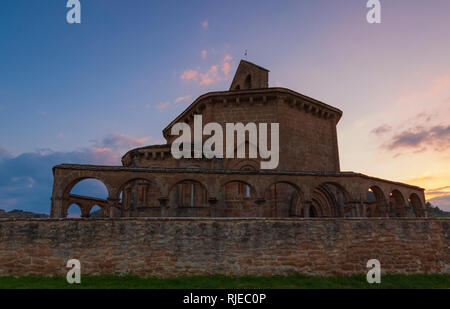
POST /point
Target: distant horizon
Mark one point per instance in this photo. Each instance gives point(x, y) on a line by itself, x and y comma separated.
point(87, 93)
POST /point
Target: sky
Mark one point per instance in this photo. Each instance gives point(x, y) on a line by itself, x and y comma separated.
point(86, 93)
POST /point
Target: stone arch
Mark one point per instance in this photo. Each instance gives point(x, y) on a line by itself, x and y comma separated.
point(397, 204)
point(243, 164)
point(416, 205)
point(376, 203)
point(188, 193)
point(69, 187)
point(94, 211)
point(85, 202)
point(238, 199)
point(329, 199)
point(137, 194)
point(283, 199)
point(76, 206)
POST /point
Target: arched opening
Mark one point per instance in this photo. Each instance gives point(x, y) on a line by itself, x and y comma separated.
point(376, 205)
point(188, 193)
point(137, 196)
point(240, 200)
point(238, 87)
point(416, 207)
point(85, 192)
point(397, 204)
point(248, 82)
point(283, 200)
point(330, 200)
point(96, 212)
point(90, 188)
point(74, 211)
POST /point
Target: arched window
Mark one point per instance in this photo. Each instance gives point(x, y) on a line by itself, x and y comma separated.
point(248, 82)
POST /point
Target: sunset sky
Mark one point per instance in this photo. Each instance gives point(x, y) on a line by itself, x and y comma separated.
point(87, 93)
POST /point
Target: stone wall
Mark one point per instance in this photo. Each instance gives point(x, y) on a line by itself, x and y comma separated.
point(179, 247)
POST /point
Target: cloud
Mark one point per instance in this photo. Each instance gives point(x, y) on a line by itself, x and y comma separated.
point(181, 99)
point(27, 179)
point(216, 73)
point(381, 130)
point(205, 24)
point(443, 202)
point(163, 105)
point(210, 77)
point(437, 137)
point(204, 54)
point(189, 75)
point(118, 142)
point(4, 154)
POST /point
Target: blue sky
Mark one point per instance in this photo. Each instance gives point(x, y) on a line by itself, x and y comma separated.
point(87, 93)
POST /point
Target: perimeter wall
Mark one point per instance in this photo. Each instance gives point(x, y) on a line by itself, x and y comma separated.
point(181, 247)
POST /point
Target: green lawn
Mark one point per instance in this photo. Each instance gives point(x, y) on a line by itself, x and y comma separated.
point(223, 282)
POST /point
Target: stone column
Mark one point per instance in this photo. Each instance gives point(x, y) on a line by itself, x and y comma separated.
point(260, 202)
point(114, 208)
point(306, 208)
point(212, 206)
point(163, 201)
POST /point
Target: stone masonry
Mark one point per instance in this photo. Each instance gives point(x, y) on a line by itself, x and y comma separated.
point(181, 247)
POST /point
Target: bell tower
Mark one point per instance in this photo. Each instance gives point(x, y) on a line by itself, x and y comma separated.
point(250, 76)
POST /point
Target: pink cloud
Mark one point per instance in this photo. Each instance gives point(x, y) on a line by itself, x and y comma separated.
point(163, 105)
point(226, 68)
point(189, 75)
point(101, 150)
point(204, 54)
point(181, 99)
point(212, 76)
point(205, 24)
point(209, 77)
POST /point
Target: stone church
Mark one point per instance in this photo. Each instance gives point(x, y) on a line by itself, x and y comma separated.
point(307, 183)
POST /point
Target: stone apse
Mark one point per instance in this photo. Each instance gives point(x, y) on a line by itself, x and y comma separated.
point(307, 182)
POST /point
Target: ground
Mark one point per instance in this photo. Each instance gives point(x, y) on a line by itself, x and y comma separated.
point(223, 282)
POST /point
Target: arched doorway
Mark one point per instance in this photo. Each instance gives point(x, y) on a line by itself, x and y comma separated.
point(397, 204)
point(283, 200)
point(416, 207)
point(188, 198)
point(139, 197)
point(239, 200)
point(330, 200)
point(376, 204)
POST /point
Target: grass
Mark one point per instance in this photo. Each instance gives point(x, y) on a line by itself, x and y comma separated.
point(224, 282)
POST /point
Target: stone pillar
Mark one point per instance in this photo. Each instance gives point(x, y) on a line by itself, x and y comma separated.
point(306, 208)
point(114, 209)
point(163, 201)
point(57, 207)
point(212, 206)
point(354, 209)
point(260, 202)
